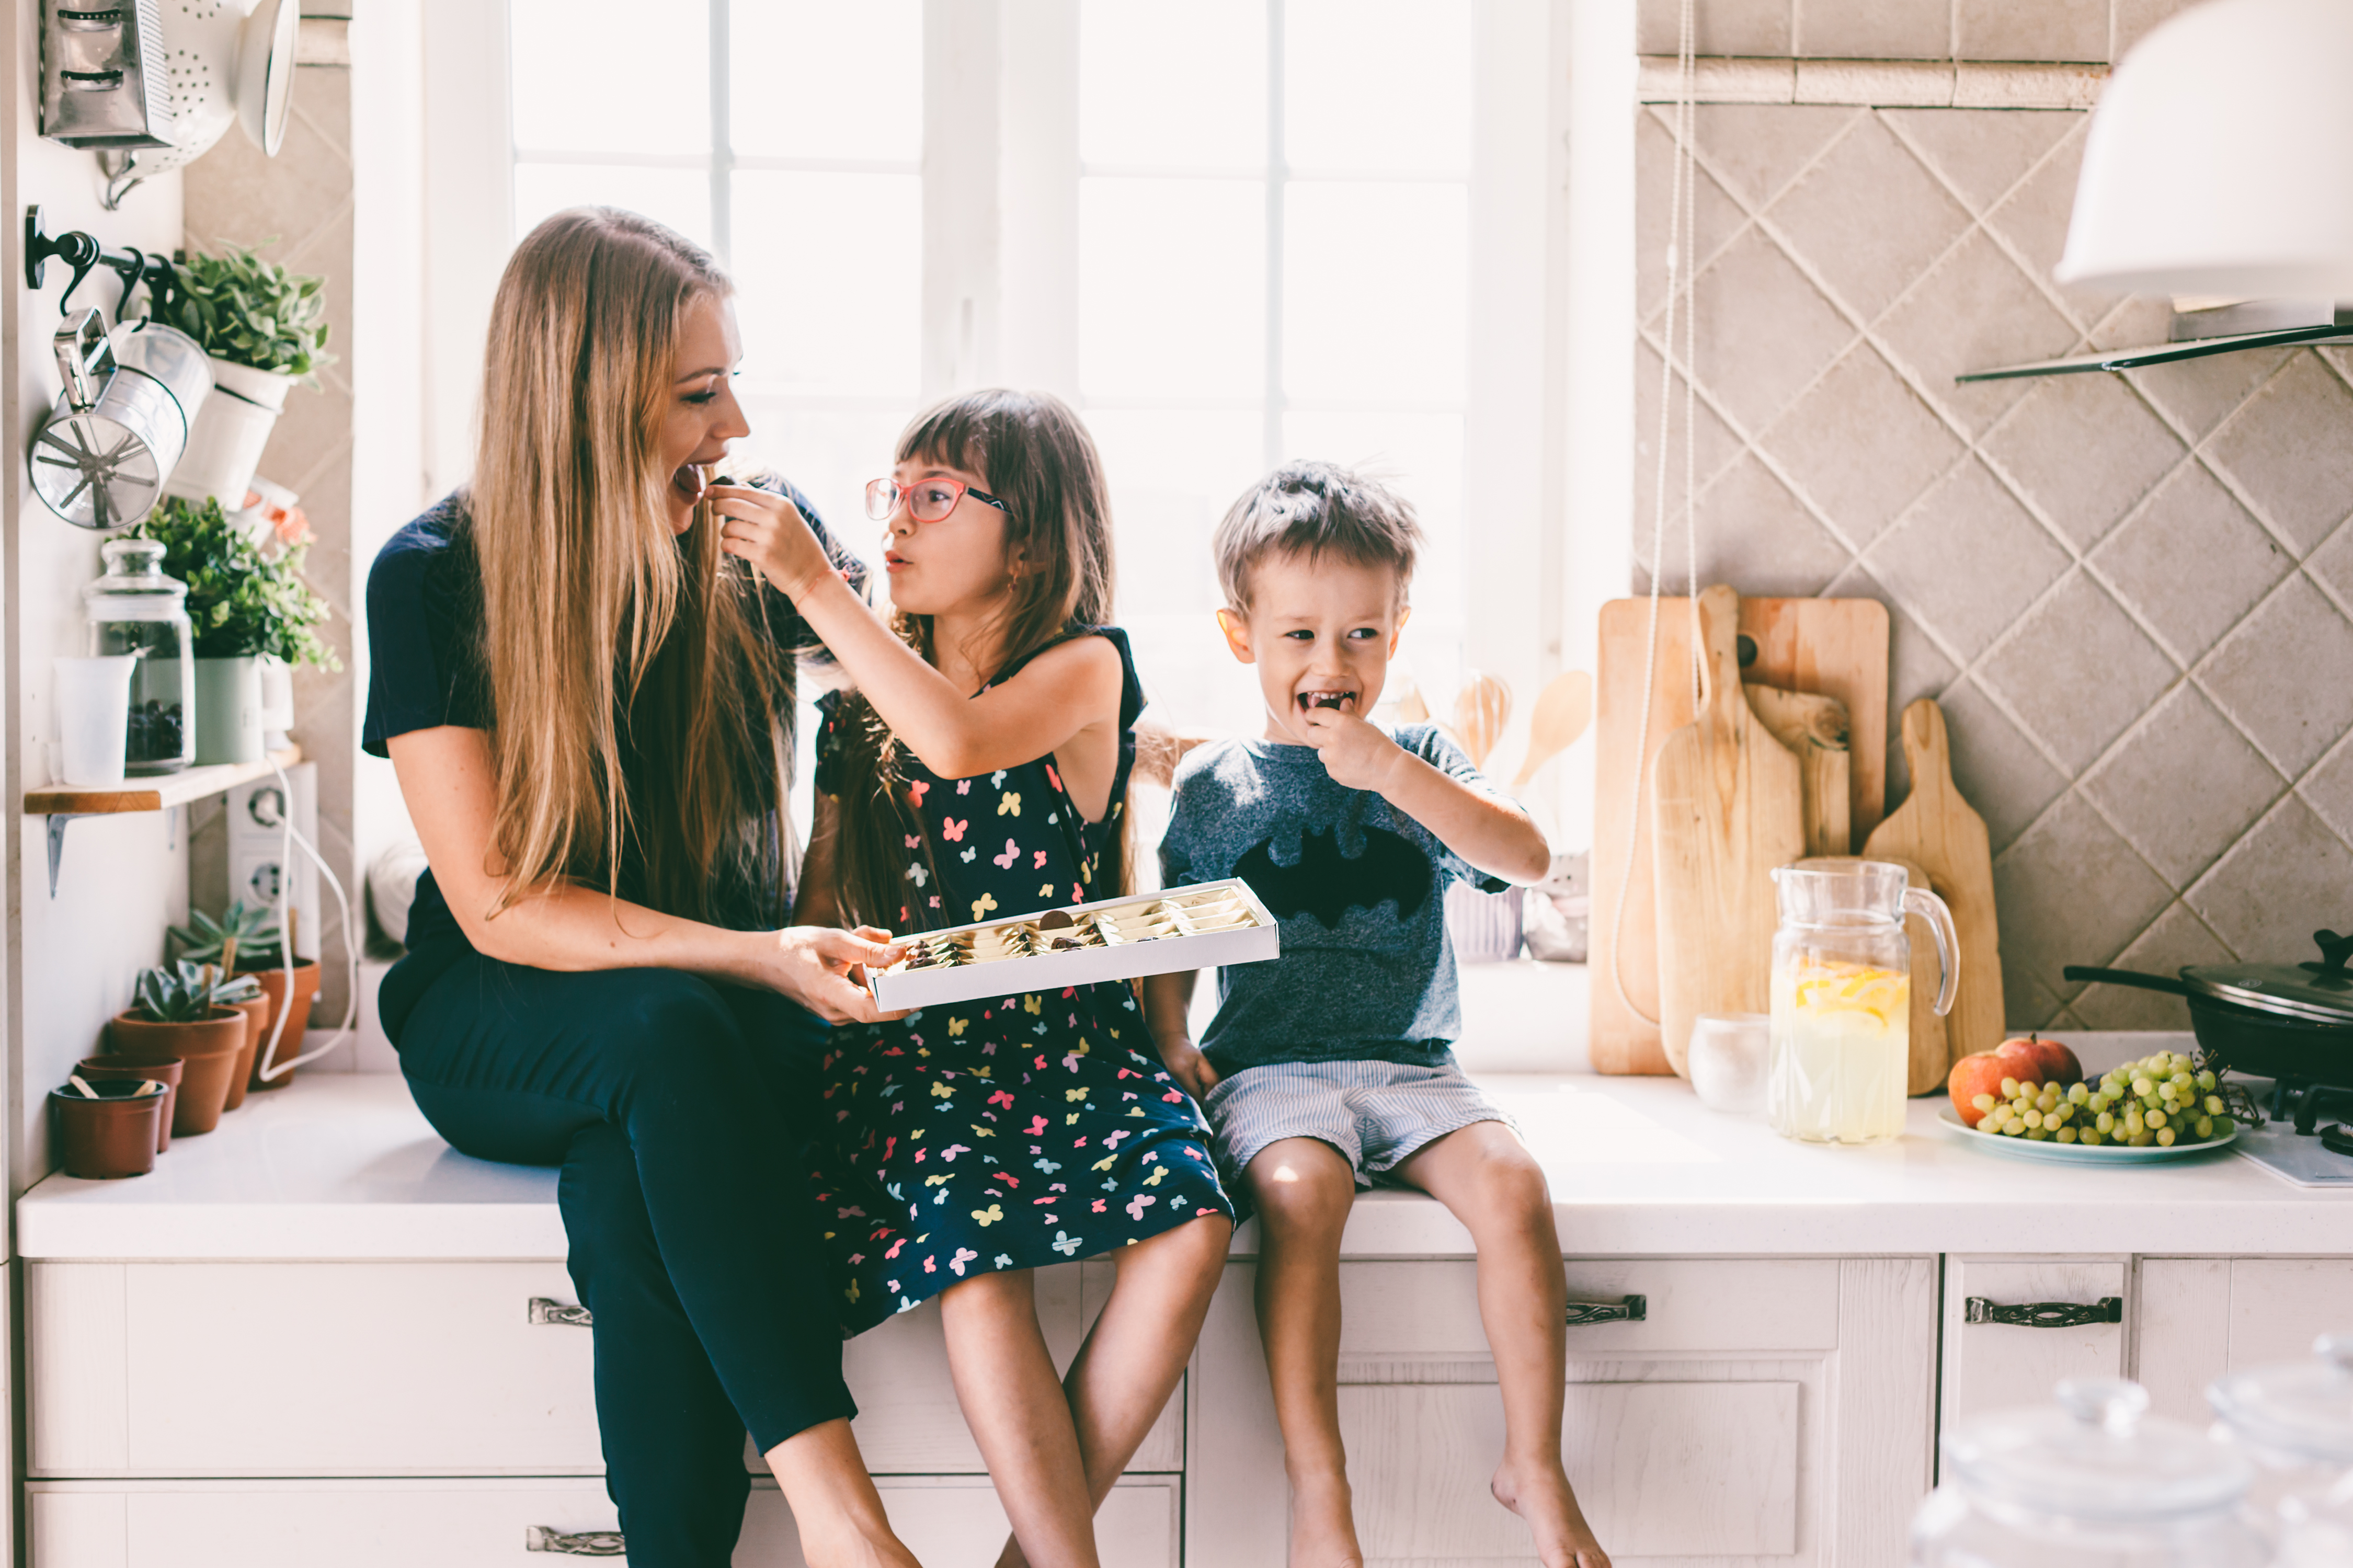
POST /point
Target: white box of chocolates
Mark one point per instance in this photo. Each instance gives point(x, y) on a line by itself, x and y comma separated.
point(1201, 927)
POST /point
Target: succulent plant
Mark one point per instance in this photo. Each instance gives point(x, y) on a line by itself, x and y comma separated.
point(244, 936)
point(244, 307)
point(188, 993)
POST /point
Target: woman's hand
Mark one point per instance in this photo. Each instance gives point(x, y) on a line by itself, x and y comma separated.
point(1189, 1066)
point(824, 969)
point(769, 532)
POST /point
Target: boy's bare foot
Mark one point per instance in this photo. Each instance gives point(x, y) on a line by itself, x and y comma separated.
point(1323, 1527)
point(1540, 1494)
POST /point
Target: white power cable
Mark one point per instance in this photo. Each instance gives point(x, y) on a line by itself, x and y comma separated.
point(287, 840)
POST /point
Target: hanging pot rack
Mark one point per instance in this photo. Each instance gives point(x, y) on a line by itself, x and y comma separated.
point(83, 253)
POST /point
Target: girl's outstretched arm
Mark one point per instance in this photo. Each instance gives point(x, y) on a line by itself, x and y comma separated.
point(1063, 691)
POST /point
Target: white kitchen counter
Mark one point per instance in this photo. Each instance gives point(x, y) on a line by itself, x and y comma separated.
point(342, 1166)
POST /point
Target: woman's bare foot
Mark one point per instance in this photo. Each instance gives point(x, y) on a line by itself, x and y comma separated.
point(1539, 1493)
point(1324, 1526)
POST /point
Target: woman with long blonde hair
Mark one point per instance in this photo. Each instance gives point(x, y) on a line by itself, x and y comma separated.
point(588, 708)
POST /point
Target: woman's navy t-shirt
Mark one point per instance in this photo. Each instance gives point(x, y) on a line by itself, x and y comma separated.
point(425, 669)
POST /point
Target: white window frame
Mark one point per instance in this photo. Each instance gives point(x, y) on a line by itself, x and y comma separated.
point(1000, 268)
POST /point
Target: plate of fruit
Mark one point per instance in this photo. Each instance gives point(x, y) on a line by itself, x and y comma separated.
point(2030, 1098)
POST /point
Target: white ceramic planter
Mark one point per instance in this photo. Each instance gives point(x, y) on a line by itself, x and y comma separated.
point(228, 709)
point(231, 427)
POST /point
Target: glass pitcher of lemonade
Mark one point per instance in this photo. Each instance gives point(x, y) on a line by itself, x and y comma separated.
point(1842, 1029)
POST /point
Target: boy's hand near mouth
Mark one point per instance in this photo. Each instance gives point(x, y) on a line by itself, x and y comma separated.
point(1357, 754)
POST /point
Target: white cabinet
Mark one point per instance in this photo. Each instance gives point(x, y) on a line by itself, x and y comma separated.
point(2202, 1317)
point(1760, 1410)
point(948, 1521)
point(1990, 1364)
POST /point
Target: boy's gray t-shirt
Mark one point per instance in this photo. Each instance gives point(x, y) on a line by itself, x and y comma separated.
point(1366, 972)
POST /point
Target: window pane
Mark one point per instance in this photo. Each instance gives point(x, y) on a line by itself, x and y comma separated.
point(1375, 289)
point(830, 453)
point(818, 79)
point(1173, 86)
point(611, 76)
point(678, 197)
point(1377, 86)
point(829, 278)
point(1172, 288)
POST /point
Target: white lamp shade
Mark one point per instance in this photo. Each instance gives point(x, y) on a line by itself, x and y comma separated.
point(2220, 161)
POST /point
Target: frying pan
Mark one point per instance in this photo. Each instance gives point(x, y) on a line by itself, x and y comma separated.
point(2267, 1020)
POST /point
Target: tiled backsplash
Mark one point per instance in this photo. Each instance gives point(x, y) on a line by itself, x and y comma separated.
point(2131, 594)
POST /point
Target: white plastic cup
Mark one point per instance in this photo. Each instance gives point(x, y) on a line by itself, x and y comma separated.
point(93, 718)
point(1728, 1061)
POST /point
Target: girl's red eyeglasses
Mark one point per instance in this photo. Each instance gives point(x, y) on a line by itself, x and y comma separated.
point(930, 501)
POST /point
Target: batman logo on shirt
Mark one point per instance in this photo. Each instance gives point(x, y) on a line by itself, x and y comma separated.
point(1328, 884)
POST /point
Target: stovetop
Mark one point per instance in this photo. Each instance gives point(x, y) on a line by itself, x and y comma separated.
point(2304, 1140)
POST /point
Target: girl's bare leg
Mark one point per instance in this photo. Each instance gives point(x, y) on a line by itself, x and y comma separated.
point(1015, 1405)
point(1303, 1189)
point(834, 1501)
point(1124, 1373)
point(1493, 1185)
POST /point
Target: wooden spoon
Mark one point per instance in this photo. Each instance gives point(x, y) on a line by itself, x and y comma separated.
point(1563, 710)
point(1480, 710)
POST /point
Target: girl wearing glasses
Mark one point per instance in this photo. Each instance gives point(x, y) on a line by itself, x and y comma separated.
point(586, 707)
point(980, 767)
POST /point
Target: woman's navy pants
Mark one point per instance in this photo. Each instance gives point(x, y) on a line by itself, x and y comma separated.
point(667, 1102)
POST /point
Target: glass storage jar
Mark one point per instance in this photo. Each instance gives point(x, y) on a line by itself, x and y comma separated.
point(2296, 1421)
point(2091, 1482)
point(136, 609)
point(1839, 1046)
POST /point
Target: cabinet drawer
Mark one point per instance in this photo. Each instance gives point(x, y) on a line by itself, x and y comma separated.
point(1715, 1306)
point(1993, 1365)
point(947, 1521)
point(390, 1368)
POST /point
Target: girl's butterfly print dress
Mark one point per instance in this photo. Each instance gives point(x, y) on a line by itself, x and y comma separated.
point(1016, 1130)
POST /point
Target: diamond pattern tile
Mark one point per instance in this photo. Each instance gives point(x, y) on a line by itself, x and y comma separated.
point(2051, 554)
point(1874, 29)
point(2072, 891)
point(1974, 311)
point(1868, 217)
point(2084, 449)
point(1765, 332)
point(1980, 155)
point(1756, 150)
point(1968, 560)
point(1715, 213)
point(1862, 487)
point(2190, 562)
point(2290, 450)
point(2178, 939)
point(2279, 884)
point(2183, 785)
point(1717, 449)
point(2285, 676)
point(2077, 671)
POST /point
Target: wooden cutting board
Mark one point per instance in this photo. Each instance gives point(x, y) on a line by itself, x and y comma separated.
point(1815, 729)
point(1936, 831)
point(1728, 805)
point(1834, 646)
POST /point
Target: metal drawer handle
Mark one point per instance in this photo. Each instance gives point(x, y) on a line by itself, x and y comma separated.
point(545, 1311)
point(588, 1543)
point(1632, 1309)
point(2045, 1314)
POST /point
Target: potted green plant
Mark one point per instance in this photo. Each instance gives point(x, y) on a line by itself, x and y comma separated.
point(264, 327)
point(245, 604)
point(245, 940)
point(178, 1011)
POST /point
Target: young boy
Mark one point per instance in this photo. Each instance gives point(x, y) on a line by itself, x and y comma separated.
point(1331, 1065)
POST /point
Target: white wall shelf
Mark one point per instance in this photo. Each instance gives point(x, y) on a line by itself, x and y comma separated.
point(62, 804)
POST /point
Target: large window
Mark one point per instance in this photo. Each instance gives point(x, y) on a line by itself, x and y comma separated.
point(1231, 232)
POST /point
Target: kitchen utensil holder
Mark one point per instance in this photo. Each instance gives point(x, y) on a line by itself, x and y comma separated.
point(83, 253)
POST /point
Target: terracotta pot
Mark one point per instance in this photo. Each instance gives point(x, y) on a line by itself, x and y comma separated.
point(209, 1047)
point(256, 1015)
point(131, 1066)
point(290, 1044)
point(101, 1140)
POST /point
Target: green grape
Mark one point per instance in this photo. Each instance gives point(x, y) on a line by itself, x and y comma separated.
point(2167, 1092)
point(2142, 1140)
point(2134, 1122)
point(2039, 1134)
point(2010, 1089)
point(2105, 1122)
point(2067, 1135)
point(2203, 1127)
point(2033, 1120)
point(2142, 1087)
point(2012, 1128)
point(2077, 1094)
point(1983, 1103)
point(2224, 1126)
point(2165, 1137)
point(2206, 1081)
point(2155, 1118)
point(2103, 1099)
point(2092, 1135)
point(2213, 1105)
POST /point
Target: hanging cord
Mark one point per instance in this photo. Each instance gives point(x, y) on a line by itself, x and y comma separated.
point(1682, 230)
point(287, 840)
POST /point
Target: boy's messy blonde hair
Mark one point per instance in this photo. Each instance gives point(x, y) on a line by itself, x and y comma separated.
point(1313, 510)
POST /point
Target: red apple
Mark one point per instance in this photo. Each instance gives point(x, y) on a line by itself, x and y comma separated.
point(1972, 1076)
point(2059, 1063)
point(2022, 1060)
